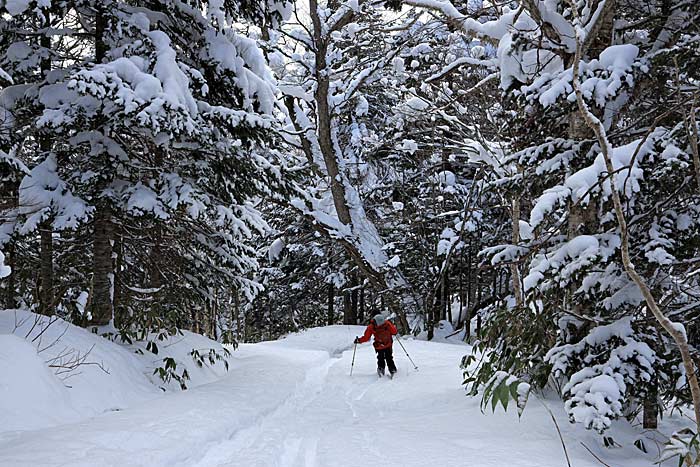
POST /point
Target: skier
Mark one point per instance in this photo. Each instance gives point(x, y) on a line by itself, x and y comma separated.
point(382, 329)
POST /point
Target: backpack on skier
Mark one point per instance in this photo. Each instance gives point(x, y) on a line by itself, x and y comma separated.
point(383, 331)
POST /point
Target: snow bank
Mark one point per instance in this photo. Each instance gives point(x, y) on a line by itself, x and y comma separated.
point(332, 339)
point(55, 373)
point(32, 396)
point(445, 332)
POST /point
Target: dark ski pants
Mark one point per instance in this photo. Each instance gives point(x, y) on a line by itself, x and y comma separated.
point(385, 358)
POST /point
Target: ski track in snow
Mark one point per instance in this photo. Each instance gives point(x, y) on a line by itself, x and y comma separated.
point(292, 403)
point(251, 439)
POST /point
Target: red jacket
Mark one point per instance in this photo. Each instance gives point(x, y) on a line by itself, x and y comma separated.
point(382, 335)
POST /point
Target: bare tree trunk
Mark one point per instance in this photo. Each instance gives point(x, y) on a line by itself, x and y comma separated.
point(330, 317)
point(196, 320)
point(515, 238)
point(693, 140)
point(118, 300)
point(600, 35)
point(468, 317)
point(447, 299)
point(349, 316)
point(446, 304)
point(212, 320)
point(237, 312)
point(460, 289)
point(155, 258)
point(650, 416)
point(361, 309)
point(674, 331)
point(650, 406)
point(101, 300)
point(468, 325)
point(155, 275)
point(47, 301)
point(354, 296)
point(10, 292)
point(100, 27)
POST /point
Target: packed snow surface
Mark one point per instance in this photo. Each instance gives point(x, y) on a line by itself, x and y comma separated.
point(293, 402)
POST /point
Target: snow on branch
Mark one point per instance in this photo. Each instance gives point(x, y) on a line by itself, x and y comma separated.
point(43, 192)
point(4, 270)
point(495, 29)
point(490, 64)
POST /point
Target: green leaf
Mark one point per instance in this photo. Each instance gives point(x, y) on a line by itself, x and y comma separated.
point(514, 390)
point(494, 400)
point(152, 347)
point(504, 396)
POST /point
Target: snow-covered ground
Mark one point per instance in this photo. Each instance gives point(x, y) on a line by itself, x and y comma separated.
point(293, 403)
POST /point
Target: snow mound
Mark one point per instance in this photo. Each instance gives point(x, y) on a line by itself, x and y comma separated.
point(332, 339)
point(55, 373)
point(445, 333)
point(32, 396)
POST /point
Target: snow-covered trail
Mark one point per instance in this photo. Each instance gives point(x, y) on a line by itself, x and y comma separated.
point(293, 403)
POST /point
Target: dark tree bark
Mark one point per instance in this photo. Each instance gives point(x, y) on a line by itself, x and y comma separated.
point(650, 415)
point(9, 200)
point(154, 272)
point(350, 303)
point(118, 302)
point(237, 318)
point(196, 320)
point(212, 320)
point(330, 317)
point(361, 309)
point(354, 299)
point(102, 266)
point(47, 301)
point(101, 300)
point(11, 284)
point(447, 304)
point(347, 308)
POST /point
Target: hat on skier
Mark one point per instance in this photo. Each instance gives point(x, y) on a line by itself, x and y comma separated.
point(378, 319)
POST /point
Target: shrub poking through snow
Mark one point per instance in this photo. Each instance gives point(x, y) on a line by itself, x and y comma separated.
point(168, 372)
point(683, 445)
point(502, 388)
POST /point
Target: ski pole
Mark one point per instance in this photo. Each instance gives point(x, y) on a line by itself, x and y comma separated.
point(415, 367)
point(353, 358)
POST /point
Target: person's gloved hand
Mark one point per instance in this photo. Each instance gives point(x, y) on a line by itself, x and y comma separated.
point(357, 340)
